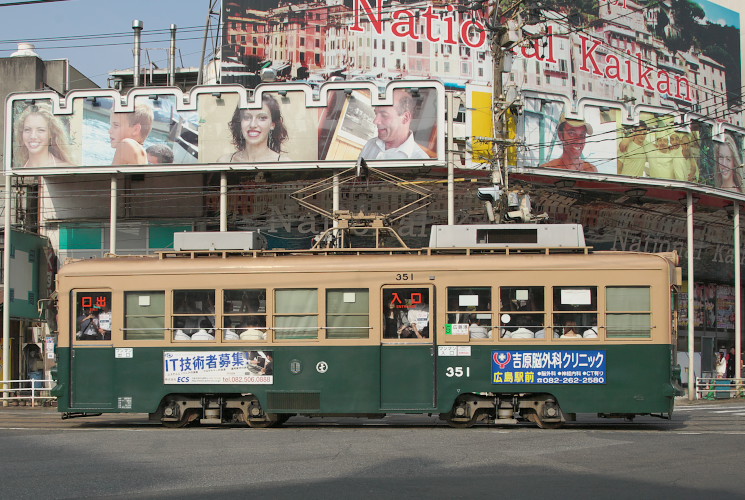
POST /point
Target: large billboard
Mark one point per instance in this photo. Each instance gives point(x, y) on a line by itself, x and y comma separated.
point(635, 88)
point(288, 125)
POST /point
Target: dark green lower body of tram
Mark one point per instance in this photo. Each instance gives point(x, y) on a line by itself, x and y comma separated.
point(461, 383)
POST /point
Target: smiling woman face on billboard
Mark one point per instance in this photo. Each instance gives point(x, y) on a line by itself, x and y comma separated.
point(40, 139)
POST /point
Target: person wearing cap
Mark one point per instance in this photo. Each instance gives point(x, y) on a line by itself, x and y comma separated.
point(90, 328)
point(635, 151)
point(573, 135)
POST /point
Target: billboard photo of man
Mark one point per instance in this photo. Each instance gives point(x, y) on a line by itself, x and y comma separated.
point(395, 139)
point(573, 136)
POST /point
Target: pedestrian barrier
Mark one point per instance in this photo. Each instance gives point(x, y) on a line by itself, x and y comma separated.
point(27, 392)
point(719, 388)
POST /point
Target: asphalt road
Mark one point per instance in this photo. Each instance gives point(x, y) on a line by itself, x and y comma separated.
point(697, 454)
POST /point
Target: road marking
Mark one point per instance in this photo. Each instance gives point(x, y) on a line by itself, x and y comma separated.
point(708, 408)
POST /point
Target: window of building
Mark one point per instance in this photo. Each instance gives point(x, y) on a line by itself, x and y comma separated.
point(628, 312)
point(575, 311)
point(419, 47)
point(347, 313)
point(244, 314)
point(296, 313)
point(144, 315)
point(193, 315)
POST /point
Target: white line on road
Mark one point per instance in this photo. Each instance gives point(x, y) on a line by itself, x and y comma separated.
point(709, 408)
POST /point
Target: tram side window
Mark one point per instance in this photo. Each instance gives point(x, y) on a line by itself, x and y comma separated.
point(93, 316)
point(469, 309)
point(244, 315)
point(575, 312)
point(522, 312)
point(347, 313)
point(406, 313)
point(296, 313)
point(628, 312)
point(144, 315)
point(193, 315)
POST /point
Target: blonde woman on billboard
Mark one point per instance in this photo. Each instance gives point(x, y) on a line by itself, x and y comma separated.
point(728, 166)
point(258, 134)
point(40, 139)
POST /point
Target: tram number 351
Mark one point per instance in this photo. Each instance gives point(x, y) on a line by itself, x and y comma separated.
point(457, 371)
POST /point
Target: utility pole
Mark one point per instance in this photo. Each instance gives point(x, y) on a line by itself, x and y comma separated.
point(496, 30)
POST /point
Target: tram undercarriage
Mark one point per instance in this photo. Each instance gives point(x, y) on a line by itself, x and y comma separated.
point(180, 410)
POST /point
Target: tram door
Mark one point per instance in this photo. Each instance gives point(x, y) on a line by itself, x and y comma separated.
point(92, 354)
point(407, 351)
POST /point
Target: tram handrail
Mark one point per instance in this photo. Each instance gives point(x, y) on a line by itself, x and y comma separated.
point(719, 388)
point(26, 390)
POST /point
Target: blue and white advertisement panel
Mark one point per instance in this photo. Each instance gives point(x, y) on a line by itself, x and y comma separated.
point(218, 367)
point(548, 367)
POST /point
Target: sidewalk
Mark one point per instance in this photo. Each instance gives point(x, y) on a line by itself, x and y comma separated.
point(683, 401)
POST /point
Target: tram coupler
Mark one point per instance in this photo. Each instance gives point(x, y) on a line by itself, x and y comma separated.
point(69, 414)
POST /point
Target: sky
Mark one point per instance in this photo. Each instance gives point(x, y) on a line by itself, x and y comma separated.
point(720, 15)
point(97, 53)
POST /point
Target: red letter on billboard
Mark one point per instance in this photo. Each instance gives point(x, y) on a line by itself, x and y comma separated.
point(590, 55)
point(430, 16)
point(408, 25)
point(480, 29)
point(376, 22)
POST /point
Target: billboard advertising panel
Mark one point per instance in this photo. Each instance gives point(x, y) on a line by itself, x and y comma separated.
point(288, 125)
point(625, 87)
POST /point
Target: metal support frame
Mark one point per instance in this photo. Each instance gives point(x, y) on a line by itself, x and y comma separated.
point(6, 290)
point(112, 216)
point(223, 202)
point(738, 293)
point(689, 228)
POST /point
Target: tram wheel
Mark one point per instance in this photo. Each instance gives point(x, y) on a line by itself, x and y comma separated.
point(461, 424)
point(270, 420)
point(533, 417)
point(186, 418)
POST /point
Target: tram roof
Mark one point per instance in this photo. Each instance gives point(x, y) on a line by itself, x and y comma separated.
point(272, 261)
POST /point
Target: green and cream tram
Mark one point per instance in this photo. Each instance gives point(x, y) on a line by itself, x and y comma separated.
point(478, 334)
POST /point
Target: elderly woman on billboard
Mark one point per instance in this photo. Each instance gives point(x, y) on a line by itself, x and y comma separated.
point(40, 139)
point(258, 134)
